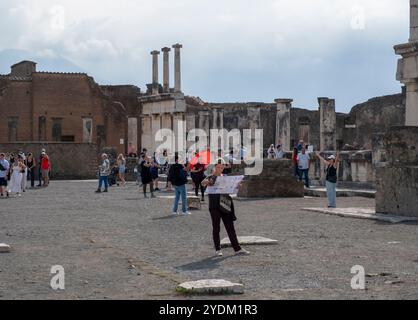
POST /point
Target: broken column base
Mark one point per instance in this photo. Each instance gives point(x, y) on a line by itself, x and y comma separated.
point(397, 173)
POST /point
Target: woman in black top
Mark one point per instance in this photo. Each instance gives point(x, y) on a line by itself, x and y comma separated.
point(146, 175)
point(216, 215)
point(31, 164)
point(331, 180)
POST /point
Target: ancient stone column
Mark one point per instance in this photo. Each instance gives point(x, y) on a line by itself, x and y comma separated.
point(155, 54)
point(328, 124)
point(166, 69)
point(283, 123)
point(177, 67)
point(408, 68)
point(413, 33)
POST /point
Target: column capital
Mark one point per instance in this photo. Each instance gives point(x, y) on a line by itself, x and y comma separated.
point(166, 49)
point(177, 46)
point(155, 52)
point(283, 101)
point(326, 102)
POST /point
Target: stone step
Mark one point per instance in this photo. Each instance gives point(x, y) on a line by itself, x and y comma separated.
point(321, 192)
point(4, 248)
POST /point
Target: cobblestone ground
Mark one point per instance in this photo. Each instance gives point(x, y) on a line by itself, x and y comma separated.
point(120, 246)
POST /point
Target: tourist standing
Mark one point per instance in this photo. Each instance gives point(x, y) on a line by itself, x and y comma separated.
point(121, 162)
point(198, 175)
point(154, 172)
point(271, 153)
point(24, 174)
point(178, 178)
point(295, 162)
point(104, 171)
point(40, 168)
point(46, 168)
point(331, 165)
point(279, 152)
point(146, 175)
point(4, 169)
point(31, 165)
point(303, 166)
point(217, 214)
point(17, 171)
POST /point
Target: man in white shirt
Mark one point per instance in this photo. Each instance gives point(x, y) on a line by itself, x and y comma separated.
point(303, 165)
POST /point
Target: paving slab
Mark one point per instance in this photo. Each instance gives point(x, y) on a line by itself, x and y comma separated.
point(362, 213)
point(341, 192)
point(210, 286)
point(249, 240)
point(4, 248)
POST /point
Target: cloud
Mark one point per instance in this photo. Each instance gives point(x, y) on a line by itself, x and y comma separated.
point(235, 50)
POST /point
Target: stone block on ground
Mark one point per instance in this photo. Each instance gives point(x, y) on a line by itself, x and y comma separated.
point(362, 213)
point(213, 286)
point(4, 248)
point(250, 240)
point(194, 203)
point(276, 180)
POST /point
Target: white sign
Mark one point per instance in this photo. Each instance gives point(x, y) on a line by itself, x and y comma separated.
point(122, 141)
point(225, 185)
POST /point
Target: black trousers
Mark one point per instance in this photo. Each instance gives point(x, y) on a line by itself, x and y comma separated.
point(31, 174)
point(228, 221)
point(198, 184)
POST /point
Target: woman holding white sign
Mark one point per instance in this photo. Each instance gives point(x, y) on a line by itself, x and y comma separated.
point(221, 206)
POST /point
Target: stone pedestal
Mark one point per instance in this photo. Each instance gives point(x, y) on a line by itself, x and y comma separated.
point(397, 172)
point(283, 123)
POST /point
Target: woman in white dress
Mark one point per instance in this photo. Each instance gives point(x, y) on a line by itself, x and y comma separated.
point(15, 186)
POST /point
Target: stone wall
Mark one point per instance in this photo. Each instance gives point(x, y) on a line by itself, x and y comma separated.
point(276, 180)
point(68, 160)
point(397, 171)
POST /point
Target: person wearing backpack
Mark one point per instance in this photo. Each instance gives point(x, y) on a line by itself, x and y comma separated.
point(178, 178)
point(331, 165)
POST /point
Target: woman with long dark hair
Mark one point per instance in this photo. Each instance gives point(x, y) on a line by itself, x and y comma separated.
point(219, 212)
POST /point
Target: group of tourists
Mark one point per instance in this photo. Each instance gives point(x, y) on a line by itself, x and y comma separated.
point(17, 170)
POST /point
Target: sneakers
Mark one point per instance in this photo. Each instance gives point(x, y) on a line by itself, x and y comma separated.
point(98, 191)
point(219, 253)
point(242, 252)
point(175, 213)
point(187, 213)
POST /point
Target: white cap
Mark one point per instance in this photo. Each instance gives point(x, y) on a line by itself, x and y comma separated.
point(331, 157)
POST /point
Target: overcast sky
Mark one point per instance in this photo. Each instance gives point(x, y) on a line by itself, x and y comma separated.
point(234, 50)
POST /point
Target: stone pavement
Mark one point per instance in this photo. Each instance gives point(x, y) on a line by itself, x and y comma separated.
point(120, 246)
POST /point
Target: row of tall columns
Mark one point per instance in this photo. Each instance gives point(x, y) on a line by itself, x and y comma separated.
point(328, 123)
point(166, 69)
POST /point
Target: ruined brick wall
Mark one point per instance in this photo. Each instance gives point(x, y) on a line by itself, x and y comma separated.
point(15, 101)
point(71, 97)
point(68, 160)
